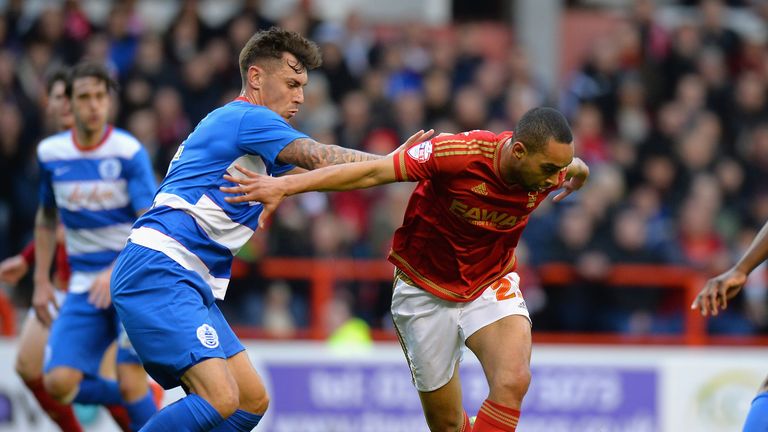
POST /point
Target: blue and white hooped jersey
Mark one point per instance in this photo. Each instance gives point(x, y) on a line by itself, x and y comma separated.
point(189, 220)
point(98, 192)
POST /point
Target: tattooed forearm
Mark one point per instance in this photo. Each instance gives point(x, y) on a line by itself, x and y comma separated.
point(310, 154)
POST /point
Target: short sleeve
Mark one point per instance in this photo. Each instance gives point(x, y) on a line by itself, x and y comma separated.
point(441, 155)
point(264, 133)
point(141, 181)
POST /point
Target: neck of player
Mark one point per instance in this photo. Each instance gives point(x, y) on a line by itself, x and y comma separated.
point(506, 168)
point(253, 96)
point(89, 138)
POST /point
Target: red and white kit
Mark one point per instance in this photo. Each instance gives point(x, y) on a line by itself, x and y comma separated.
point(455, 251)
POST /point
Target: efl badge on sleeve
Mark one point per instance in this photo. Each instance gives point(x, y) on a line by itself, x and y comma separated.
point(421, 152)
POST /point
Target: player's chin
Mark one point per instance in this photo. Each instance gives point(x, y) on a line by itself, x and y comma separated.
point(534, 188)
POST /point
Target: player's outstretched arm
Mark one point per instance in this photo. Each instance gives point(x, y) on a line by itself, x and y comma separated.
point(718, 290)
point(576, 175)
point(270, 191)
point(309, 154)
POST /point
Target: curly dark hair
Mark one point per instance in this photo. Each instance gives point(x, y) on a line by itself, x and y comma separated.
point(271, 44)
point(538, 125)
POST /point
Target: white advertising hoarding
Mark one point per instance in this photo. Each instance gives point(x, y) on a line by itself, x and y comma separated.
point(574, 388)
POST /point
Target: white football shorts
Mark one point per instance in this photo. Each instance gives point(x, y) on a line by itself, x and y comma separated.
point(433, 331)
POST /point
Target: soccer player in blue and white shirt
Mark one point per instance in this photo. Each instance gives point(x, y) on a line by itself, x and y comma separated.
point(178, 258)
point(98, 179)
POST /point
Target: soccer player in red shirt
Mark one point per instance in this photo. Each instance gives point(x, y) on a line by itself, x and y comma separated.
point(455, 282)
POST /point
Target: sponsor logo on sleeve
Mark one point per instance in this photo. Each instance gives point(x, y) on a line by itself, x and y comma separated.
point(421, 152)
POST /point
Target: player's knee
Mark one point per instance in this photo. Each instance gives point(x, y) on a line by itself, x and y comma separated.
point(61, 384)
point(511, 386)
point(225, 400)
point(445, 421)
point(256, 404)
point(133, 388)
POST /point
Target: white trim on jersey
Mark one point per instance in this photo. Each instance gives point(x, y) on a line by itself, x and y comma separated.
point(109, 238)
point(92, 195)
point(211, 218)
point(174, 250)
point(60, 147)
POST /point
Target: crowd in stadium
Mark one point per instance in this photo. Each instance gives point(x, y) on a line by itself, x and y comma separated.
point(673, 121)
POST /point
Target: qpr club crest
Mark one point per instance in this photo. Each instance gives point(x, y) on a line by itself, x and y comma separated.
point(109, 169)
point(421, 152)
point(207, 336)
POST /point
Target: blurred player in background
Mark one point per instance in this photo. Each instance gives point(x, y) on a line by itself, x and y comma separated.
point(714, 298)
point(455, 282)
point(34, 336)
point(98, 179)
point(179, 255)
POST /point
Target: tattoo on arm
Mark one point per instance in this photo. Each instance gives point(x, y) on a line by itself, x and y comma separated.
point(310, 154)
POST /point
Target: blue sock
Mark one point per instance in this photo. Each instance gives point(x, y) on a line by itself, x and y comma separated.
point(757, 418)
point(240, 421)
point(98, 391)
point(188, 414)
point(141, 411)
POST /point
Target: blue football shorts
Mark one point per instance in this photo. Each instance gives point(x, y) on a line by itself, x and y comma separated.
point(80, 335)
point(171, 325)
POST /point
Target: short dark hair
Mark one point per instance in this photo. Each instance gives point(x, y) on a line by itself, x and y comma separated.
point(538, 125)
point(54, 76)
point(272, 43)
point(90, 69)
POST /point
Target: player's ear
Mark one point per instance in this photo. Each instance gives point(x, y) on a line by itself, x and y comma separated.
point(519, 150)
point(255, 76)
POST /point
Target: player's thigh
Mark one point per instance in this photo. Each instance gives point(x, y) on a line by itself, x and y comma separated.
point(428, 330)
point(32, 342)
point(504, 350)
point(497, 329)
point(443, 408)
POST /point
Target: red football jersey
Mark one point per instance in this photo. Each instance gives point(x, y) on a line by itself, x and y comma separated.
point(463, 221)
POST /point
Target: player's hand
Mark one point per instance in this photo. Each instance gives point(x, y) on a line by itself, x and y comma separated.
point(578, 172)
point(415, 138)
point(255, 187)
point(99, 294)
point(13, 269)
point(718, 290)
point(42, 299)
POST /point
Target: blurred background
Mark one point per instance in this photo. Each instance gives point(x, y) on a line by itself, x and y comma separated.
point(668, 101)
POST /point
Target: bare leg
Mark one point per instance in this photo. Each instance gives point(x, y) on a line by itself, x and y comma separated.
point(442, 407)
